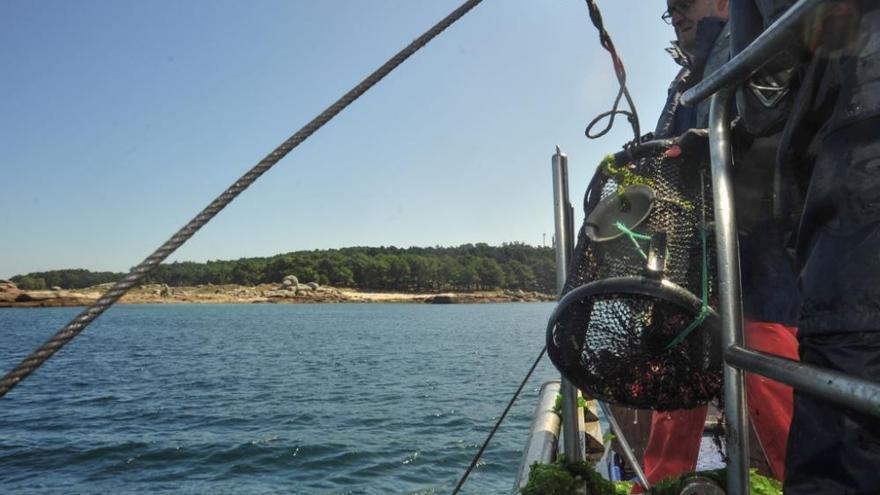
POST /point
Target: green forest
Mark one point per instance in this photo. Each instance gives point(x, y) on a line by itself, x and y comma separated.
point(468, 267)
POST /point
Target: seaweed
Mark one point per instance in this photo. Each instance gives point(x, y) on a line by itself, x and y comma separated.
point(623, 176)
point(761, 485)
point(566, 478)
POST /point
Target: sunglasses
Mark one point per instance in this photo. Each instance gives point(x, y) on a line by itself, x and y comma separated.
point(681, 7)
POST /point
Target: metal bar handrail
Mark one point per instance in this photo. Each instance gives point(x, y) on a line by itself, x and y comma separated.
point(625, 447)
point(543, 439)
point(730, 300)
point(773, 40)
point(859, 394)
point(856, 393)
point(862, 395)
point(840, 388)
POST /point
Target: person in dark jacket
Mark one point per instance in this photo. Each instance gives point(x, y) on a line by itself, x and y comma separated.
point(769, 286)
point(833, 140)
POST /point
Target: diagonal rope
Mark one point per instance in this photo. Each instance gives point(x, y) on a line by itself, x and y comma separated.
point(476, 458)
point(78, 324)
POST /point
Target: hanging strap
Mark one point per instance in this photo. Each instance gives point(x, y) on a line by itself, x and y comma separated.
point(705, 310)
point(635, 237)
point(704, 307)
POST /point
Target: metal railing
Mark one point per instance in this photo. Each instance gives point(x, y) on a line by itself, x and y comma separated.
point(833, 386)
point(750, 60)
point(543, 440)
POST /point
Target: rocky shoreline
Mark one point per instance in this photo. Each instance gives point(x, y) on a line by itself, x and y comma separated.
point(289, 292)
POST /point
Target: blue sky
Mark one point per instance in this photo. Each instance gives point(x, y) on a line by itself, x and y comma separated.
point(121, 119)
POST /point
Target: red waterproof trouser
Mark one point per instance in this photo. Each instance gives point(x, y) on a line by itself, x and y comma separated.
point(674, 443)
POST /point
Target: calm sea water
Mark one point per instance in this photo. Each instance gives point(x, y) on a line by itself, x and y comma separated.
point(325, 399)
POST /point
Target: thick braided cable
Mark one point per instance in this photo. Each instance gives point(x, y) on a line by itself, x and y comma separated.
point(78, 324)
point(620, 71)
point(606, 42)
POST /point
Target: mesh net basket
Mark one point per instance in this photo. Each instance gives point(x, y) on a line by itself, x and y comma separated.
point(635, 326)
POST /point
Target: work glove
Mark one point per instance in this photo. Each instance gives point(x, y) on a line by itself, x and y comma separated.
point(692, 145)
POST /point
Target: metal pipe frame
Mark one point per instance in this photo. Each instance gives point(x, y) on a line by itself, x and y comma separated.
point(856, 393)
point(624, 445)
point(572, 415)
point(773, 40)
point(543, 439)
point(730, 300)
point(861, 395)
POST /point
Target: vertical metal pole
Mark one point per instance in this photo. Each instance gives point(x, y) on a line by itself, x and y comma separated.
point(561, 213)
point(572, 415)
point(730, 295)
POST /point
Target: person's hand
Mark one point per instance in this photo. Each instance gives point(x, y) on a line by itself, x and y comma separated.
point(694, 142)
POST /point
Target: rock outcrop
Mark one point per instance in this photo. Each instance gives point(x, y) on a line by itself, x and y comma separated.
point(442, 299)
point(11, 295)
point(290, 281)
point(9, 292)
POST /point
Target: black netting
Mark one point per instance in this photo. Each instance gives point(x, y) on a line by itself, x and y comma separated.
point(615, 340)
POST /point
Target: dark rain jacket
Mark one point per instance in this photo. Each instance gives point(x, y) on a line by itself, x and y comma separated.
point(768, 281)
point(839, 235)
point(830, 149)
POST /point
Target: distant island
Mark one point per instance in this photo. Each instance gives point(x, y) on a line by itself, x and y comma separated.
point(467, 273)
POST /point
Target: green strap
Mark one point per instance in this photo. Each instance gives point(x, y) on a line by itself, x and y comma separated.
point(634, 237)
point(704, 308)
point(624, 178)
